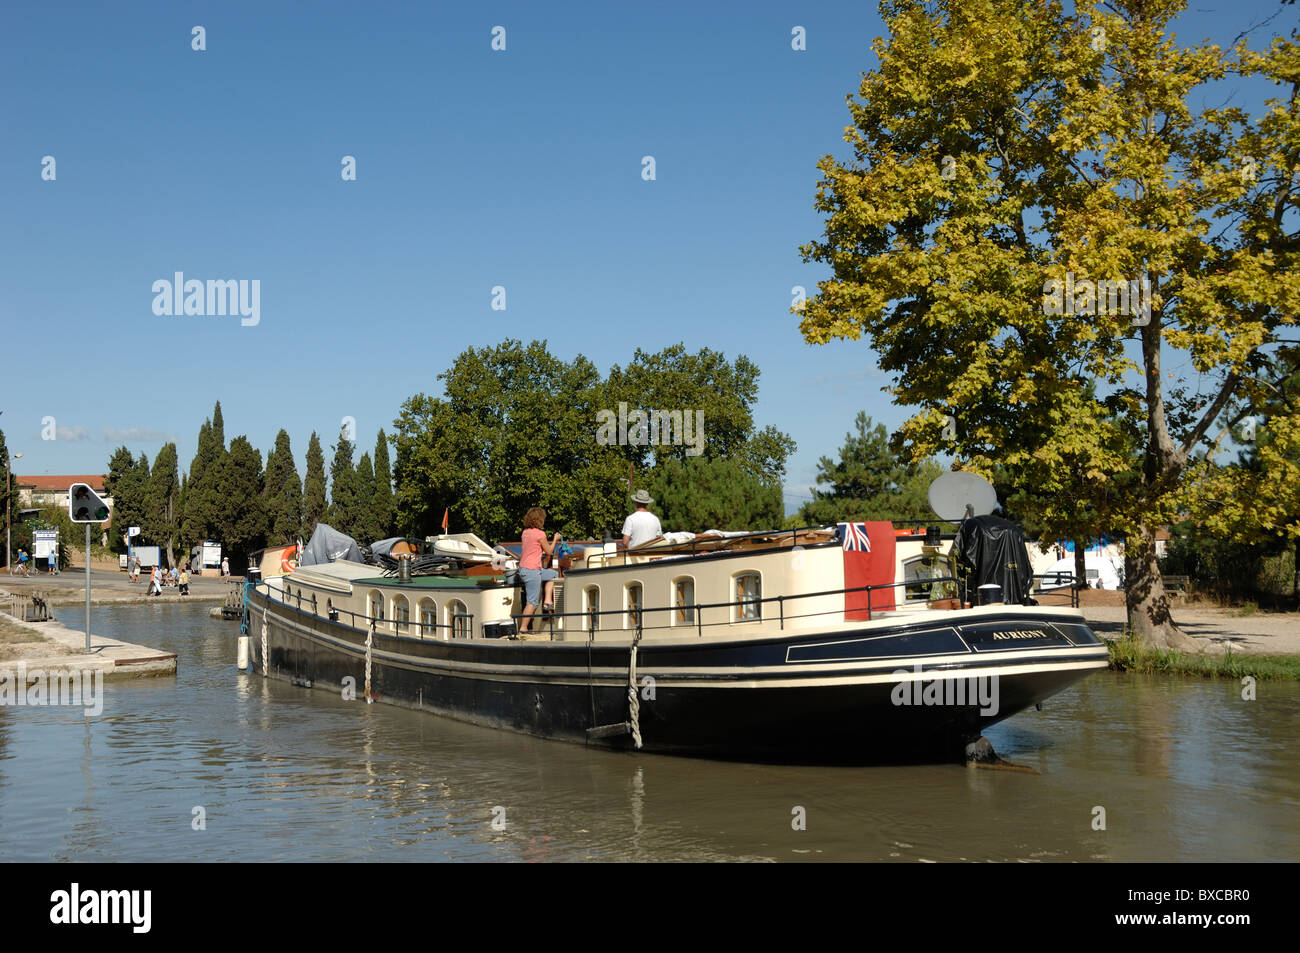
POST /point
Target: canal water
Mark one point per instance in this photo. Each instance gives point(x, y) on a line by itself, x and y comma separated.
point(213, 765)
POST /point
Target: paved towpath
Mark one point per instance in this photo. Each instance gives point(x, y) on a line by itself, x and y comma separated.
point(107, 586)
point(1257, 633)
point(52, 646)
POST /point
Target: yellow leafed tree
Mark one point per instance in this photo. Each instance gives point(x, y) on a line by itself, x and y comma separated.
point(1038, 224)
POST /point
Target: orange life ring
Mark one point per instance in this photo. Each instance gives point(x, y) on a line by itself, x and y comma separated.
point(285, 566)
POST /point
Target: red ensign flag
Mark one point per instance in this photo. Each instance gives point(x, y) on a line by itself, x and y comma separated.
point(868, 561)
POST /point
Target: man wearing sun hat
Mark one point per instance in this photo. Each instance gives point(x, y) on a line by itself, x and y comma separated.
point(642, 526)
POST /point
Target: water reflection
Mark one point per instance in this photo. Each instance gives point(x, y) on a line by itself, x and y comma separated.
point(1185, 771)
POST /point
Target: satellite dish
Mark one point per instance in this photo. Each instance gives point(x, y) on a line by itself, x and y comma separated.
point(958, 495)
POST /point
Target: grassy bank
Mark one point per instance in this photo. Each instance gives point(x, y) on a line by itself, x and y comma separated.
point(1129, 655)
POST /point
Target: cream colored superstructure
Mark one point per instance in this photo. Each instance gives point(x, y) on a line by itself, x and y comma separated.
point(739, 588)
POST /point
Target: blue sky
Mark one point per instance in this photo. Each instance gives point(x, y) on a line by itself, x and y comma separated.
point(474, 169)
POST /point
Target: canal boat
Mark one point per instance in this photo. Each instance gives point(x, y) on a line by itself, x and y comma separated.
point(845, 643)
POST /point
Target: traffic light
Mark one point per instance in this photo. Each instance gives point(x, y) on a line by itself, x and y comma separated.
point(85, 506)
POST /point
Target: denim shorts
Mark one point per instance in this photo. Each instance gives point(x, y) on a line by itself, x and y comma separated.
point(533, 579)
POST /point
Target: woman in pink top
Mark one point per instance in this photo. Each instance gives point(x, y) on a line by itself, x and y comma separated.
point(530, 565)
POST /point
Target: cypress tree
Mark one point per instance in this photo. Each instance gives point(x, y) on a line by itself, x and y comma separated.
point(242, 520)
point(204, 499)
point(283, 493)
point(367, 523)
point(9, 494)
point(313, 488)
point(343, 514)
point(384, 506)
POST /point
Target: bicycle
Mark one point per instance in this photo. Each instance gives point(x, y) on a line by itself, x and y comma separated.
point(20, 569)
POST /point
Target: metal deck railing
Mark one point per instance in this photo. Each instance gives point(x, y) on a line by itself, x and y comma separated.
point(462, 625)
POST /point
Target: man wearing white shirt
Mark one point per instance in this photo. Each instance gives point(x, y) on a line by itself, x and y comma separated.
point(642, 526)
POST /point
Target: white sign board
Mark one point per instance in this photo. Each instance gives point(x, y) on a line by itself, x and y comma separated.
point(211, 555)
point(133, 531)
point(148, 556)
point(45, 542)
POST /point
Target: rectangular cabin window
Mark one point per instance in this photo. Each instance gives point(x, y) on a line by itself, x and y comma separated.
point(459, 619)
point(917, 573)
point(633, 604)
point(684, 602)
point(401, 616)
point(749, 592)
point(593, 608)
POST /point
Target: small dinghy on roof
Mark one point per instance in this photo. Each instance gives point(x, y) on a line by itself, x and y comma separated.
point(463, 546)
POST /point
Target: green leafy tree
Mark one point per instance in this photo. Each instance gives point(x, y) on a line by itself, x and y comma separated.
point(516, 429)
point(869, 481)
point(697, 493)
point(718, 393)
point(384, 505)
point(284, 493)
point(57, 518)
point(127, 482)
point(162, 502)
point(313, 488)
point(1010, 161)
point(1254, 503)
point(519, 427)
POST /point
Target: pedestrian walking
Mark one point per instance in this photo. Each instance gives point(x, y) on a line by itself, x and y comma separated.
point(225, 566)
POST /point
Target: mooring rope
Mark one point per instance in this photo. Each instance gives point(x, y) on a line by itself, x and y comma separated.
point(633, 698)
point(266, 659)
point(370, 641)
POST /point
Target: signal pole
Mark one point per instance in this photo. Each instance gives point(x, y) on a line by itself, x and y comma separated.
point(87, 588)
point(85, 506)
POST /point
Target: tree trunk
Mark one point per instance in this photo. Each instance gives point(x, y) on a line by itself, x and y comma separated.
point(1080, 565)
point(1144, 594)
